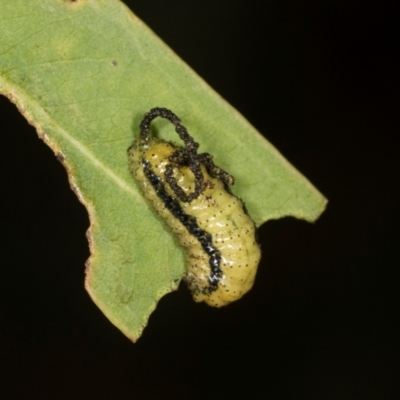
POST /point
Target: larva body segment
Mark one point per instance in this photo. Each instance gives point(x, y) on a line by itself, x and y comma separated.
point(213, 227)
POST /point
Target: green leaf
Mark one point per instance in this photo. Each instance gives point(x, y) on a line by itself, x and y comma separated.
point(84, 73)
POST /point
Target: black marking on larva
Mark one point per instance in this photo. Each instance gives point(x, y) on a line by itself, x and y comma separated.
point(190, 223)
point(184, 157)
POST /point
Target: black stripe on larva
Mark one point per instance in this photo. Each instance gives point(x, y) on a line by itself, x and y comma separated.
point(190, 223)
point(184, 157)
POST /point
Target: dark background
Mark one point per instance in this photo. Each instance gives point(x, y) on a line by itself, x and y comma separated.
point(320, 79)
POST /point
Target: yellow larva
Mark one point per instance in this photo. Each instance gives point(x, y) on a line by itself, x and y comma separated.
point(190, 194)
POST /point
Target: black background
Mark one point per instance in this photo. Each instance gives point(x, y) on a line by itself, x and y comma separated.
point(320, 80)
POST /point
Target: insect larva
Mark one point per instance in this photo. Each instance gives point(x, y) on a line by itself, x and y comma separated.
point(191, 195)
